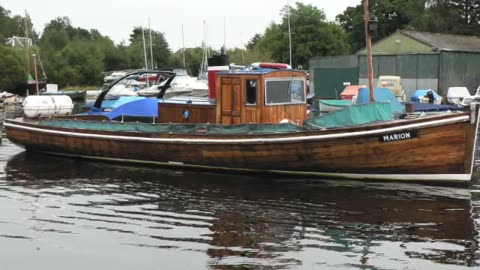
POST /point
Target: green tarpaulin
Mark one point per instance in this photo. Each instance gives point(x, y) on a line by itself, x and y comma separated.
point(353, 115)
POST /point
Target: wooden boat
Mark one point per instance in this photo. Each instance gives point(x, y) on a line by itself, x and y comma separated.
point(243, 129)
point(241, 132)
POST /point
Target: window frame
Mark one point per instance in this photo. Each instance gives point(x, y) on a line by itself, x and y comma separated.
point(286, 79)
point(256, 91)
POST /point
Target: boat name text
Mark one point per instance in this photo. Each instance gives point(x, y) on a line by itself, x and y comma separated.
point(398, 136)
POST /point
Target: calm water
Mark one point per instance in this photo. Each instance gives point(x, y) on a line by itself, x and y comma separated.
point(58, 213)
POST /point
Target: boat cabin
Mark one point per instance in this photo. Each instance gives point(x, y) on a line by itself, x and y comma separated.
point(242, 97)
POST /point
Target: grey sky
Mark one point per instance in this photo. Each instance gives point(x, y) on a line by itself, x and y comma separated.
point(242, 19)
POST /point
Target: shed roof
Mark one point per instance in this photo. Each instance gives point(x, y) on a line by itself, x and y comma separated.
point(446, 42)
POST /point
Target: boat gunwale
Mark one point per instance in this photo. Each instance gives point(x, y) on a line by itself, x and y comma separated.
point(308, 135)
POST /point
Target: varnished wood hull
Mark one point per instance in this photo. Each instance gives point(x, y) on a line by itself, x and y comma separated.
point(439, 148)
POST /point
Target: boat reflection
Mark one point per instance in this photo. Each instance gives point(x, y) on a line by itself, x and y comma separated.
point(256, 221)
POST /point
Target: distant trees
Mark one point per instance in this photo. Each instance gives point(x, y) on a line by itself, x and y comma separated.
point(391, 15)
point(450, 16)
point(76, 56)
point(437, 16)
point(135, 52)
point(193, 59)
point(12, 60)
point(12, 69)
point(311, 35)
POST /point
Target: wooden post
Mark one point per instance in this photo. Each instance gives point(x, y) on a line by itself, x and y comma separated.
point(369, 50)
point(36, 73)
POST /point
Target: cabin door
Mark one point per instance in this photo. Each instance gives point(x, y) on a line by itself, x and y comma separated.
point(231, 101)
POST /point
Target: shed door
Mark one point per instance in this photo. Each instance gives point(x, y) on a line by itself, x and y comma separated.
point(231, 101)
point(329, 82)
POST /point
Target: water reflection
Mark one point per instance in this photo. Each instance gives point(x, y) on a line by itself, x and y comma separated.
point(223, 221)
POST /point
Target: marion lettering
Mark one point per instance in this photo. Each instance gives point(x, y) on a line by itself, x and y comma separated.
point(398, 136)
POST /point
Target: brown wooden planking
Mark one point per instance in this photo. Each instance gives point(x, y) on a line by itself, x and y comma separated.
point(341, 155)
point(174, 113)
point(231, 100)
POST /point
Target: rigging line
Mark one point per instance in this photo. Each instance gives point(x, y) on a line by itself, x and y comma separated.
point(30, 26)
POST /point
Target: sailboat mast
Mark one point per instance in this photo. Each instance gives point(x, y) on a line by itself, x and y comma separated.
point(225, 33)
point(145, 53)
point(204, 65)
point(37, 51)
point(369, 50)
point(243, 54)
point(36, 73)
point(183, 48)
point(289, 34)
point(27, 45)
point(151, 47)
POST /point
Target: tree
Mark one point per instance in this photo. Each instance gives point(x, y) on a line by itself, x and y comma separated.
point(247, 57)
point(193, 59)
point(311, 35)
point(11, 68)
point(135, 52)
point(462, 16)
point(253, 42)
point(436, 16)
point(11, 26)
point(391, 15)
point(55, 39)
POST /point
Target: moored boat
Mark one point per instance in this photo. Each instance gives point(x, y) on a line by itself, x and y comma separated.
point(256, 121)
point(241, 131)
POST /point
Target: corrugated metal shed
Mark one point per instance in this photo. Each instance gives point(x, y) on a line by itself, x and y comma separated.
point(423, 60)
point(398, 43)
point(329, 74)
point(446, 42)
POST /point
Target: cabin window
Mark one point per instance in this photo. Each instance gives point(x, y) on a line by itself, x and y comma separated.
point(284, 91)
point(251, 89)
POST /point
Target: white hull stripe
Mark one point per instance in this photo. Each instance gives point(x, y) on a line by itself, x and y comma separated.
point(396, 177)
point(475, 141)
point(255, 140)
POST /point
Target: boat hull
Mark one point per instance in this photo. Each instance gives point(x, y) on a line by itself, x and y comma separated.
point(436, 149)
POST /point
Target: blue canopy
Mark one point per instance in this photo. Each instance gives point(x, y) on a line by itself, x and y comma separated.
point(147, 107)
point(381, 95)
point(421, 93)
point(113, 103)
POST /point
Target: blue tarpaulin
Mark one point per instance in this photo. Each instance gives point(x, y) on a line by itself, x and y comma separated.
point(113, 103)
point(381, 95)
point(147, 107)
point(421, 93)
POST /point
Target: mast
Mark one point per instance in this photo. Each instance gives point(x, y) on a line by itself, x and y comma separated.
point(243, 54)
point(29, 30)
point(289, 34)
point(145, 53)
point(369, 50)
point(27, 45)
point(34, 56)
point(202, 74)
point(151, 47)
point(183, 48)
point(225, 34)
